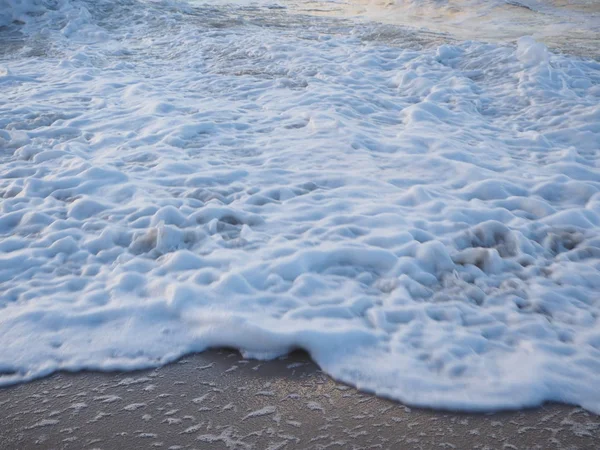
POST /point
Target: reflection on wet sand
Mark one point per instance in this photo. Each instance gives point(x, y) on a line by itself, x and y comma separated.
point(572, 27)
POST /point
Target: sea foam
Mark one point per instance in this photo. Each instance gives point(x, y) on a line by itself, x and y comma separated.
point(422, 218)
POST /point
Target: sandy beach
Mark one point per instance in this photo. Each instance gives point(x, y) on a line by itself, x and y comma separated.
point(408, 191)
point(217, 400)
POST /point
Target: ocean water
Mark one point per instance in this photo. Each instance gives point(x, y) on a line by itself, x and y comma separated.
point(417, 208)
point(571, 26)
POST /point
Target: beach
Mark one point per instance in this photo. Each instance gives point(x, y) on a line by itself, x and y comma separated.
point(218, 400)
point(408, 192)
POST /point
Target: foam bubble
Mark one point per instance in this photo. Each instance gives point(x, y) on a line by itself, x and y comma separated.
point(422, 218)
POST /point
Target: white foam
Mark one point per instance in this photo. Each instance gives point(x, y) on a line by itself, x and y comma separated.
point(423, 219)
point(18, 10)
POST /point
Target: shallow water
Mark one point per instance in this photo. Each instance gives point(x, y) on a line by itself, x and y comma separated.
point(418, 212)
point(572, 27)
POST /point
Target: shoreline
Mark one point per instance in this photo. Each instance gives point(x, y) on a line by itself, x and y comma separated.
point(217, 400)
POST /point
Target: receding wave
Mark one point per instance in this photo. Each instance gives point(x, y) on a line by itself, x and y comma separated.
point(422, 217)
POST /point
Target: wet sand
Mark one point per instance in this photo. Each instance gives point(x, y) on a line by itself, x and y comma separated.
point(564, 26)
point(217, 400)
